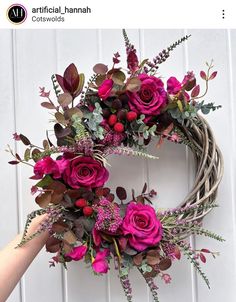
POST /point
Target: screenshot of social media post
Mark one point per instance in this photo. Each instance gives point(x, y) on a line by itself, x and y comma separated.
point(117, 151)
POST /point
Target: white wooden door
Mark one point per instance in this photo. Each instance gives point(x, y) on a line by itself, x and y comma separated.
point(27, 60)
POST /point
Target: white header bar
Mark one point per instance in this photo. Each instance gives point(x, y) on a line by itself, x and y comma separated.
point(117, 14)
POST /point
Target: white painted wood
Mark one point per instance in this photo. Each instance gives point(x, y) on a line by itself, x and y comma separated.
point(28, 58)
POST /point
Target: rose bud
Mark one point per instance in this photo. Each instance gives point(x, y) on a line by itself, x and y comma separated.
point(119, 127)
point(106, 112)
point(131, 116)
point(81, 203)
point(88, 211)
point(112, 120)
point(116, 104)
point(121, 114)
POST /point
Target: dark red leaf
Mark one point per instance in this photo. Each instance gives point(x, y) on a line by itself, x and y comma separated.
point(205, 251)
point(60, 81)
point(203, 258)
point(195, 91)
point(18, 156)
point(203, 75)
point(61, 132)
point(144, 188)
point(164, 264)
point(121, 193)
point(24, 140)
point(213, 75)
point(13, 162)
point(53, 245)
point(71, 78)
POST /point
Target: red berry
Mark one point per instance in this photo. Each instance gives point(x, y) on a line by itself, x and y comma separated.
point(80, 203)
point(131, 116)
point(119, 127)
point(112, 120)
point(88, 211)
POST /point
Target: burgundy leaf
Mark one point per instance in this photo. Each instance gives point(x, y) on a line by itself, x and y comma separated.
point(24, 140)
point(121, 193)
point(13, 162)
point(60, 81)
point(205, 251)
point(195, 91)
point(71, 78)
point(213, 75)
point(203, 258)
point(203, 75)
point(48, 105)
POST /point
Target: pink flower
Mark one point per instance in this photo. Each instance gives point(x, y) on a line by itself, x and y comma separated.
point(78, 252)
point(104, 91)
point(150, 99)
point(49, 166)
point(43, 93)
point(173, 86)
point(166, 278)
point(132, 61)
point(16, 137)
point(100, 263)
point(141, 226)
point(85, 172)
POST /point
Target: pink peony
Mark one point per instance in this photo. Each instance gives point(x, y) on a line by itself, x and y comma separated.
point(78, 252)
point(141, 226)
point(100, 263)
point(150, 99)
point(47, 165)
point(104, 91)
point(85, 172)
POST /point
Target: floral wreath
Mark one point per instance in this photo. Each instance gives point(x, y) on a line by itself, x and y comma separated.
point(121, 111)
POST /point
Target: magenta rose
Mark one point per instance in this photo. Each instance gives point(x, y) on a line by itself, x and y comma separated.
point(151, 97)
point(85, 172)
point(141, 226)
point(104, 91)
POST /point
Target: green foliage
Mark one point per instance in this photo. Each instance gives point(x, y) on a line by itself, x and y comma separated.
point(80, 131)
point(30, 218)
point(201, 231)
point(93, 120)
point(191, 256)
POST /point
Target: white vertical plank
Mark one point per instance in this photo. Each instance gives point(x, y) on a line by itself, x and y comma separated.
point(35, 62)
point(206, 45)
point(9, 225)
point(169, 174)
point(80, 47)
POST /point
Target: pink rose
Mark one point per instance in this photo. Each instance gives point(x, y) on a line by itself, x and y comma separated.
point(100, 263)
point(151, 97)
point(78, 252)
point(141, 226)
point(85, 172)
point(104, 91)
point(49, 166)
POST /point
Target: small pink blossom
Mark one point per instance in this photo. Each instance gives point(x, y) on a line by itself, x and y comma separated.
point(43, 93)
point(174, 138)
point(100, 263)
point(78, 252)
point(16, 137)
point(166, 278)
point(34, 190)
